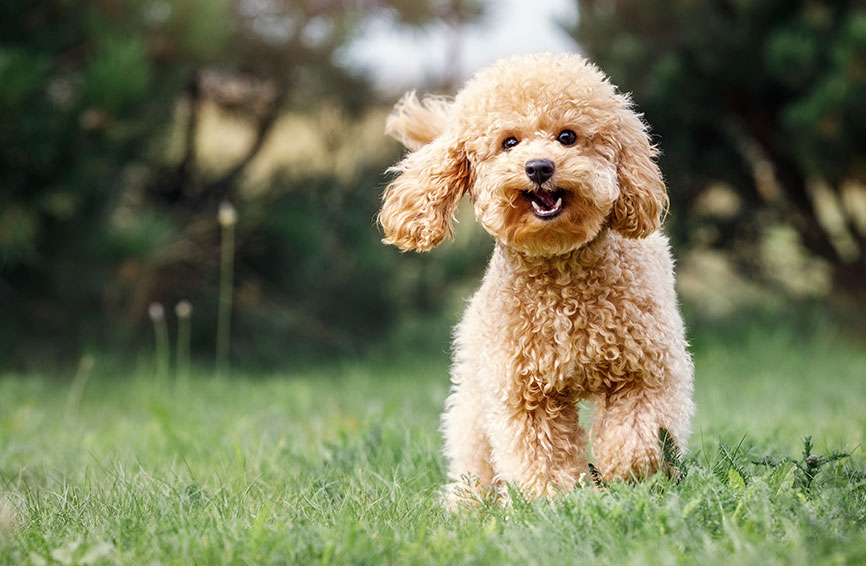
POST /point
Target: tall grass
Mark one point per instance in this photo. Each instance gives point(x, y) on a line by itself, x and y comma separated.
point(341, 465)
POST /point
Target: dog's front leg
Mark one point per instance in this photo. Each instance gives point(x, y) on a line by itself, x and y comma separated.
point(466, 445)
point(537, 442)
point(625, 433)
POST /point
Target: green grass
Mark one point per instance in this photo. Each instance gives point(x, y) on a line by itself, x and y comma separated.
point(341, 465)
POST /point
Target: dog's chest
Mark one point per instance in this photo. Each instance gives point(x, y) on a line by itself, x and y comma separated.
point(575, 332)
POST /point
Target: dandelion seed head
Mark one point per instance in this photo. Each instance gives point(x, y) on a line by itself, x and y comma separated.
point(227, 215)
point(183, 309)
point(155, 311)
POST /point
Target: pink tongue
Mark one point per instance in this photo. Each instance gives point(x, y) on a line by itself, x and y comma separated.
point(546, 198)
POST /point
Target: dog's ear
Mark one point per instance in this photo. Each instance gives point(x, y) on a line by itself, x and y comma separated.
point(636, 213)
point(419, 205)
point(415, 123)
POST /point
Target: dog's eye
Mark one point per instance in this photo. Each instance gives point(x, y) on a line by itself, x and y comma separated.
point(566, 137)
point(509, 143)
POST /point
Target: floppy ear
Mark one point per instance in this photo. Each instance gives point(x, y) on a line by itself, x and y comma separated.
point(419, 204)
point(414, 122)
point(642, 190)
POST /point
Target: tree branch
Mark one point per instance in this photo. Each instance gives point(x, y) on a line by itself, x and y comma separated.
point(792, 181)
point(222, 187)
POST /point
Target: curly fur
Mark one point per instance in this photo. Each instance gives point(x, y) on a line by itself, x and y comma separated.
point(578, 306)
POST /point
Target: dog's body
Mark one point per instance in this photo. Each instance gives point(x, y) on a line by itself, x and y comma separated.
point(578, 301)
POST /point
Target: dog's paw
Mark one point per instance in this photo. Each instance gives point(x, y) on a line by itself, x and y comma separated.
point(627, 455)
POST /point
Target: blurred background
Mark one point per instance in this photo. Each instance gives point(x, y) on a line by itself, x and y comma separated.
point(124, 124)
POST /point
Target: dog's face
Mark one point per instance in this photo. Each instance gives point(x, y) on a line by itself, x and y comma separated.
point(548, 151)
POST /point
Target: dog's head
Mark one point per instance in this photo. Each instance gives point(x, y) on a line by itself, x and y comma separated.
point(547, 150)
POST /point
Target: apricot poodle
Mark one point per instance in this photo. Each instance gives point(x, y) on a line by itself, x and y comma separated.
point(578, 301)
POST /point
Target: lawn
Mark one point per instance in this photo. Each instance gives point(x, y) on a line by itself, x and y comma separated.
point(340, 465)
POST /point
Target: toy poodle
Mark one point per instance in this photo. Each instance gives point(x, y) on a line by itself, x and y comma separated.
point(578, 300)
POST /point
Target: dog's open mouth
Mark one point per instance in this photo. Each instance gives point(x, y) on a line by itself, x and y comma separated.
point(545, 204)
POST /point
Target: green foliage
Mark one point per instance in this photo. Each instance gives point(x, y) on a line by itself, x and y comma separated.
point(808, 466)
point(202, 26)
point(138, 235)
point(765, 97)
point(728, 467)
point(673, 464)
point(23, 73)
point(80, 96)
point(336, 288)
point(117, 77)
point(105, 206)
point(17, 231)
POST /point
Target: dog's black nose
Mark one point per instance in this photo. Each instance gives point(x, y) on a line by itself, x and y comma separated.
point(539, 170)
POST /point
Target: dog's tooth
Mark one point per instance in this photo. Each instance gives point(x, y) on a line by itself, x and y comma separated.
point(545, 212)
